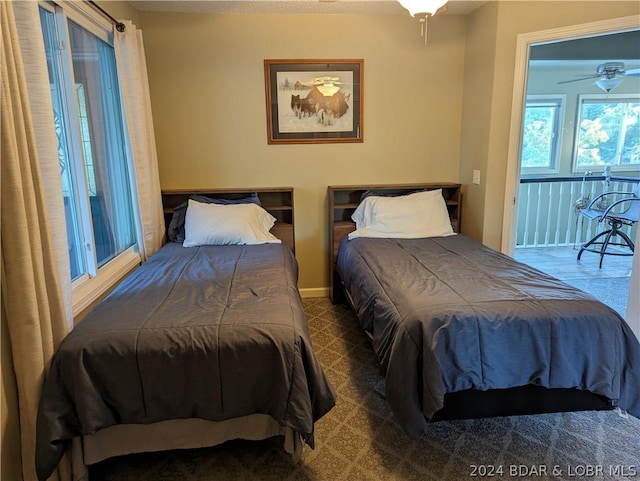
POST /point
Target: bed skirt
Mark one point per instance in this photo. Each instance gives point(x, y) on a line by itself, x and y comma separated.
point(125, 439)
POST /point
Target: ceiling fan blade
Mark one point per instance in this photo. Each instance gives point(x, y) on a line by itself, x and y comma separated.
point(632, 72)
point(579, 79)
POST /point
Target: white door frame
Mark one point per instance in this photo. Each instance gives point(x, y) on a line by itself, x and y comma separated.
point(525, 40)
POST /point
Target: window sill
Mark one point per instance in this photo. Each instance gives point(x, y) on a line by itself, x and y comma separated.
point(532, 173)
point(89, 290)
point(598, 169)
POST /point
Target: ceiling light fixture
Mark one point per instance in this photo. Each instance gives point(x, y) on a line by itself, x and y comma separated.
point(427, 7)
point(608, 84)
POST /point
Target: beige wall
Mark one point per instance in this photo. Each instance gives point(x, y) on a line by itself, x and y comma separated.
point(120, 10)
point(478, 89)
point(512, 18)
point(206, 77)
point(431, 113)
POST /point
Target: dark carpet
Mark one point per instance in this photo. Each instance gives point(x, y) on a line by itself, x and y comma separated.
point(359, 439)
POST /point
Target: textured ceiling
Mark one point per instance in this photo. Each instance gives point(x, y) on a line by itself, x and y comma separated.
point(455, 7)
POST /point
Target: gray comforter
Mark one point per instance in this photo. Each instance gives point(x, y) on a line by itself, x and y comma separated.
point(447, 314)
point(212, 332)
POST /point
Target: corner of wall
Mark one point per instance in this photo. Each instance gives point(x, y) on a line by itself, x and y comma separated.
point(477, 105)
point(121, 10)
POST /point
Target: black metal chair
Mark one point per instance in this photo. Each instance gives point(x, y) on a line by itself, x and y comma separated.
point(623, 211)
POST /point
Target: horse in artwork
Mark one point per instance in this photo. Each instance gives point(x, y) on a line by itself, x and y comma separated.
point(302, 107)
point(325, 108)
point(332, 108)
point(338, 104)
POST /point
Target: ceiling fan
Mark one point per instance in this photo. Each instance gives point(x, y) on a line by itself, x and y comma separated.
point(608, 75)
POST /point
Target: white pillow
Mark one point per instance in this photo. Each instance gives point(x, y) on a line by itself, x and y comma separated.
point(412, 216)
point(216, 224)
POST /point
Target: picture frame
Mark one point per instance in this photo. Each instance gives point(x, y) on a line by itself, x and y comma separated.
point(314, 101)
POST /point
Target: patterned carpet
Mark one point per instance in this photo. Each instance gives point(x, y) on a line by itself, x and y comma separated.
point(359, 440)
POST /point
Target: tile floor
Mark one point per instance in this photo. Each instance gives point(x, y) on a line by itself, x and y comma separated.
point(609, 284)
point(562, 263)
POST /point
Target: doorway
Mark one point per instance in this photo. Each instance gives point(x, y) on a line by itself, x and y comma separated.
point(567, 57)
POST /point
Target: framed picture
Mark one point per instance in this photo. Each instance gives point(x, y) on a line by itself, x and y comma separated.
point(314, 101)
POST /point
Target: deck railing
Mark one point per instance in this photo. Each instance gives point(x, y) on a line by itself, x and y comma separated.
point(549, 209)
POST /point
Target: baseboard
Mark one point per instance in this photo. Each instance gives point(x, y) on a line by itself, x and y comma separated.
point(315, 292)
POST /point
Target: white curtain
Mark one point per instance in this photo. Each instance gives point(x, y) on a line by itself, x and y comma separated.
point(35, 67)
point(132, 72)
point(33, 296)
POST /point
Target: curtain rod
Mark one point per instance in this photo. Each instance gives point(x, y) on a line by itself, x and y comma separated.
point(119, 25)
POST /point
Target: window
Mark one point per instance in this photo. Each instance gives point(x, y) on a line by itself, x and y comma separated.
point(92, 147)
point(608, 132)
point(541, 134)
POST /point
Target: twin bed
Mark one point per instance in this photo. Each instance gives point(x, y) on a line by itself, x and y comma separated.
point(200, 345)
point(209, 343)
point(463, 331)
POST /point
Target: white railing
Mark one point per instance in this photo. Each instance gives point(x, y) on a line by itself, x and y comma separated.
point(548, 212)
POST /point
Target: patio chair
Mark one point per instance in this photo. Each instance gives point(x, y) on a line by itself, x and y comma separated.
point(623, 211)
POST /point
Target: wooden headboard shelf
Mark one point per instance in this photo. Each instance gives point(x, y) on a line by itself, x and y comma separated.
point(344, 199)
point(278, 201)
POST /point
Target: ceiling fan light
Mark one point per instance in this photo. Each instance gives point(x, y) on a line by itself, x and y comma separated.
point(428, 7)
point(608, 84)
